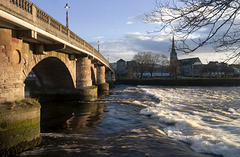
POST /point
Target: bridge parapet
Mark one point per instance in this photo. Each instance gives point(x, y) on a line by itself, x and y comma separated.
point(23, 4)
point(30, 13)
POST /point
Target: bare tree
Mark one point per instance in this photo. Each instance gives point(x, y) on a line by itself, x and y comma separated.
point(153, 60)
point(164, 62)
point(141, 61)
point(148, 61)
point(187, 19)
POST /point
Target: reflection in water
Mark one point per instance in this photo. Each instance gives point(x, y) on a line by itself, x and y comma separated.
point(70, 116)
point(112, 126)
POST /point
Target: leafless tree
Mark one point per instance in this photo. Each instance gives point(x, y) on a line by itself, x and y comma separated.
point(164, 62)
point(141, 61)
point(153, 60)
point(148, 61)
point(188, 19)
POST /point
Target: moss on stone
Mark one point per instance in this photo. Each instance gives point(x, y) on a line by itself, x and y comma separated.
point(92, 87)
point(19, 126)
point(29, 102)
point(21, 147)
point(14, 125)
point(10, 138)
point(103, 87)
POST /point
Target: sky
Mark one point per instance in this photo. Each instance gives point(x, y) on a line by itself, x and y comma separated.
point(118, 26)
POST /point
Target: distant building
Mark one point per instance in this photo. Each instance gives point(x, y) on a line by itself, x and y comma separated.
point(121, 68)
point(191, 67)
point(216, 69)
point(129, 70)
point(236, 68)
point(114, 65)
point(185, 67)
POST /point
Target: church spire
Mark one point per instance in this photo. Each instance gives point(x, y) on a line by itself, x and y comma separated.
point(173, 54)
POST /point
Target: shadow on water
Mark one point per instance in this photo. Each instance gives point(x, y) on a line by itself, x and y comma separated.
point(70, 117)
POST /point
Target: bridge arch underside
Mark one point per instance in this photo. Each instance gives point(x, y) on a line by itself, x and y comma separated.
point(53, 75)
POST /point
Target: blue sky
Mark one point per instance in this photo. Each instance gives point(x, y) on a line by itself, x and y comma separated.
point(118, 25)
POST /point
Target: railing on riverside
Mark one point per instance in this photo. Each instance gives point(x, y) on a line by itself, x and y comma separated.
point(29, 12)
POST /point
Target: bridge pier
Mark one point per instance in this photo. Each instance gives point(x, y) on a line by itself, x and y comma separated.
point(101, 81)
point(83, 72)
point(16, 118)
point(11, 84)
point(84, 80)
point(110, 77)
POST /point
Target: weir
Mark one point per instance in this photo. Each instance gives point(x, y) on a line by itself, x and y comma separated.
point(66, 66)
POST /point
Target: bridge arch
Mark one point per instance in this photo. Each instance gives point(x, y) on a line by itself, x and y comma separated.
point(19, 56)
point(53, 73)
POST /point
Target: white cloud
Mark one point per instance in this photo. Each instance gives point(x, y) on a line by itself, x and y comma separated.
point(129, 22)
point(134, 33)
point(133, 42)
point(144, 37)
point(100, 37)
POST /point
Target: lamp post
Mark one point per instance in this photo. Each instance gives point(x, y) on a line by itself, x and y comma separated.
point(98, 46)
point(67, 22)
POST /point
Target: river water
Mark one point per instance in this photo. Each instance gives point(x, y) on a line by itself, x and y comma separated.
point(144, 121)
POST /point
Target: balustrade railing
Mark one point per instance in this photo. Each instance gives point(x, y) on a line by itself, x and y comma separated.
point(79, 40)
point(55, 24)
point(72, 35)
point(42, 16)
point(65, 30)
point(50, 22)
point(23, 4)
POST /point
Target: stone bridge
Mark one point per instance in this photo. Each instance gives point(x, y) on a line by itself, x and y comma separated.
point(31, 40)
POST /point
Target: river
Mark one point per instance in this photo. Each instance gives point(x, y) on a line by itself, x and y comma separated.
point(144, 121)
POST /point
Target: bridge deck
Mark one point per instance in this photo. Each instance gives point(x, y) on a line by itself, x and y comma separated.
point(36, 26)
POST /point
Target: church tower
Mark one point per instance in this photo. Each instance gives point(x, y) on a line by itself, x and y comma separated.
point(173, 54)
point(174, 62)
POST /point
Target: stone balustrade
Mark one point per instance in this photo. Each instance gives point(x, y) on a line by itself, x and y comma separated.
point(23, 4)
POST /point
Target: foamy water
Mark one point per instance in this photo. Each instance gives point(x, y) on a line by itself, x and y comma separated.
point(208, 118)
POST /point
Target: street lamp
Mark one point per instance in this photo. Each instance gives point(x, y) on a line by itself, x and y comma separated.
point(98, 46)
point(67, 22)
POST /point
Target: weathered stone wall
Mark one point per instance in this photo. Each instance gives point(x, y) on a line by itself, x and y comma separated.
point(11, 84)
point(17, 59)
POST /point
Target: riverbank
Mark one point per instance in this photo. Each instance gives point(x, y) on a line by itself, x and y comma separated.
point(182, 82)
